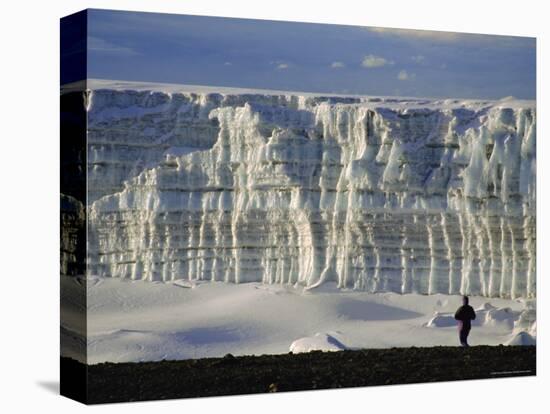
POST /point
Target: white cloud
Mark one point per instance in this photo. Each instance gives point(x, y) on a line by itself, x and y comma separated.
point(282, 66)
point(418, 58)
point(97, 44)
point(372, 61)
point(420, 34)
point(336, 65)
point(227, 63)
point(435, 36)
point(403, 75)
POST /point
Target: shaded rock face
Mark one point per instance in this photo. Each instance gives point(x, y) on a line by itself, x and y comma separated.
point(72, 205)
point(374, 194)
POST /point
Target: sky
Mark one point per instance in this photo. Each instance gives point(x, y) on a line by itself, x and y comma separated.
point(263, 54)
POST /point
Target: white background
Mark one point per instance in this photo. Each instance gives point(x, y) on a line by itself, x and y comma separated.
point(29, 174)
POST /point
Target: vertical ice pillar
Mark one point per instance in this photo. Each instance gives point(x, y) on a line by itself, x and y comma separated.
point(73, 219)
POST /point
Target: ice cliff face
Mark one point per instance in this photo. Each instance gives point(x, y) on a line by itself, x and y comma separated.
point(378, 194)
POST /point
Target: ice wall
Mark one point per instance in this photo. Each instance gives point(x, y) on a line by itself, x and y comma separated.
point(380, 194)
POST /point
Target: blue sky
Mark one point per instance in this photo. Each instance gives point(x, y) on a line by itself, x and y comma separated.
point(307, 57)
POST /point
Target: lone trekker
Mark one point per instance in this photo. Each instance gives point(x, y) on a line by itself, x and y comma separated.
point(464, 315)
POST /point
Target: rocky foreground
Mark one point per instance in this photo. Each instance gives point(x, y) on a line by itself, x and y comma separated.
point(111, 382)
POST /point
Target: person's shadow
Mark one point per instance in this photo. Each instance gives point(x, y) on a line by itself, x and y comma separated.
point(51, 386)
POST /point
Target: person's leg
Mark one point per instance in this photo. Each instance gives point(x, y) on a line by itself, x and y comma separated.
point(464, 332)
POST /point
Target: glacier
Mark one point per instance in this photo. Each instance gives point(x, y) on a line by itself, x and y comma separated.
point(380, 194)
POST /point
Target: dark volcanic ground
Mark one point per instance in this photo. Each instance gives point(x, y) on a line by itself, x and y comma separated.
point(229, 375)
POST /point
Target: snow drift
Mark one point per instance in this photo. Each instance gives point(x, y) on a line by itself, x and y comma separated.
point(326, 342)
point(376, 194)
point(138, 320)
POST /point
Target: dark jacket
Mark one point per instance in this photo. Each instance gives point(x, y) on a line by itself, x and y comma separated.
point(466, 315)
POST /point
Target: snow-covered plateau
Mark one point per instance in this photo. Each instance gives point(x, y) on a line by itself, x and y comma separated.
point(247, 222)
point(136, 320)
